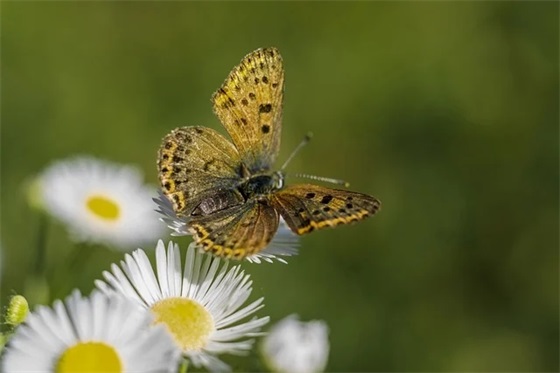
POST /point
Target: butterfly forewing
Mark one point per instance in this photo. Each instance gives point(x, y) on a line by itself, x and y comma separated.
point(249, 105)
point(236, 232)
point(307, 207)
point(193, 164)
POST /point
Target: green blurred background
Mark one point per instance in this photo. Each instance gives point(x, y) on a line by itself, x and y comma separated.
point(447, 112)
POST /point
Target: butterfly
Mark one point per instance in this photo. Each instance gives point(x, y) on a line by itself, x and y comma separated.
point(228, 192)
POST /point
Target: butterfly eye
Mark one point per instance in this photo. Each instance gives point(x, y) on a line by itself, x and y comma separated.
point(278, 180)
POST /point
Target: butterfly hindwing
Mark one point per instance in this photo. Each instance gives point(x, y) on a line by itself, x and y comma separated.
point(236, 232)
point(193, 164)
point(249, 105)
point(306, 207)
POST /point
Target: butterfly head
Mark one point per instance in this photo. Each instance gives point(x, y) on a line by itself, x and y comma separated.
point(262, 185)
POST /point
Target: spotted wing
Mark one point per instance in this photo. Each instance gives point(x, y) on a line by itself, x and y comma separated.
point(249, 105)
point(236, 232)
point(308, 207)
point(197, 163)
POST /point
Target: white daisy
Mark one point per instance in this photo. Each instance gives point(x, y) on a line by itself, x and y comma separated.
point(284, 242)
point(297, 347)
point(201, 307)
point(101, 202)
point(95, 334)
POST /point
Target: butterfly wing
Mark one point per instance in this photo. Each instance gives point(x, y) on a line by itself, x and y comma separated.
point(236, 232)
point(249, 105)
point(197, 164)
point(307, 207)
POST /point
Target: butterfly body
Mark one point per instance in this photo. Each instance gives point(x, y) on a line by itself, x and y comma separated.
point(227, 191)
point(258, 188)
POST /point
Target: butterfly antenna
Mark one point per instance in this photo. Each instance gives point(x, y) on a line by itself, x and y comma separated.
point(303, 142)
point(325, 179)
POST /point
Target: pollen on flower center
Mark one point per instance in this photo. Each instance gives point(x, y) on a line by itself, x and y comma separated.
point(89, 357)
point(189, 322)
point(103, 207)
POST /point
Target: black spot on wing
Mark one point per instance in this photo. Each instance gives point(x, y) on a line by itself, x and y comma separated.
point(265, 108)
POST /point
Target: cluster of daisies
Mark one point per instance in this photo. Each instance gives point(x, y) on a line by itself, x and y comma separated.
point(146, 317)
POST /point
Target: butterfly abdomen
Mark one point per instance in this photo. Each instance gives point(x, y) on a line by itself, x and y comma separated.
point(221, 200)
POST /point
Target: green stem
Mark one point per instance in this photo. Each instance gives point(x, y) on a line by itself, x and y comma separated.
point(36, 288)
point(184, 366)
point(41, 246)
point(78, 255)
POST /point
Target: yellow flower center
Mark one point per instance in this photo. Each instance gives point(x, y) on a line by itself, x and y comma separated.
point(188, 321)
point(103, 207)
point(90, 357)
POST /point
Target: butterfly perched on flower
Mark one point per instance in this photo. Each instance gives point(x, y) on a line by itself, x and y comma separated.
point(228, 192)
